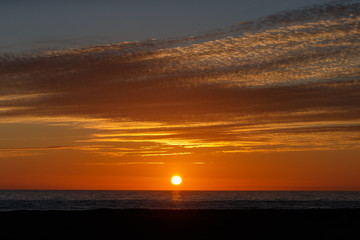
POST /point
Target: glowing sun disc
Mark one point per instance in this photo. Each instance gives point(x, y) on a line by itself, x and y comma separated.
point(176, 180)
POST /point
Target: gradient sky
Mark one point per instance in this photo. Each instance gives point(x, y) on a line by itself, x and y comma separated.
point(46, 24)
point(231, 95)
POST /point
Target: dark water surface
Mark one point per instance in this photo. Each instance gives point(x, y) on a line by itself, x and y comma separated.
point(88, 200)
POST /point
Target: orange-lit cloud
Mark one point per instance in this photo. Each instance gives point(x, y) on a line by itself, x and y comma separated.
point(287, 82)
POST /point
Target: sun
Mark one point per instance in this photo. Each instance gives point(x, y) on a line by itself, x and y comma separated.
point(176, 180)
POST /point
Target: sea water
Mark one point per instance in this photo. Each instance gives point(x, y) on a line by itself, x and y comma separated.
point(86, 200)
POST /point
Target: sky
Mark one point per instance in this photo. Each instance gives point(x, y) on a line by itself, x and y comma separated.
point(39, 25)
point(230, 95)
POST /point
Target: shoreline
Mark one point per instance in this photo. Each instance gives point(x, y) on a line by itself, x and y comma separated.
point(182, 224)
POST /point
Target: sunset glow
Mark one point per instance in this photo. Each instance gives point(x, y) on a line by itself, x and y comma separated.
point(270, 102)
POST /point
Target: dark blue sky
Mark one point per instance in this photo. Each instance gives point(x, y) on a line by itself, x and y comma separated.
point(34, 25)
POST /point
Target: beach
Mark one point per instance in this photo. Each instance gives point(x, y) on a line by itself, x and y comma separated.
point(181, 224)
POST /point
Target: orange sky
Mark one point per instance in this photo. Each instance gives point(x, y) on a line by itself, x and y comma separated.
point(271, 104)
point(73, 169)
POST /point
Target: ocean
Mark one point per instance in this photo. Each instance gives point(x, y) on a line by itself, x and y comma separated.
point(182, 200)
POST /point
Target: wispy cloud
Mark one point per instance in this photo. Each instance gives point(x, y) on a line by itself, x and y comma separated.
point(289, 81)
point(16, 153)
point(125, 163)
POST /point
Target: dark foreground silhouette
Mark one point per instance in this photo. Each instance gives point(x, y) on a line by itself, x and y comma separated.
point(181, 224)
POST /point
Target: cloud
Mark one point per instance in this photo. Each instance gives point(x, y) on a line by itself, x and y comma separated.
point(34, 151)
point(260, 85)
point(126, 163)
point(13, 154)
